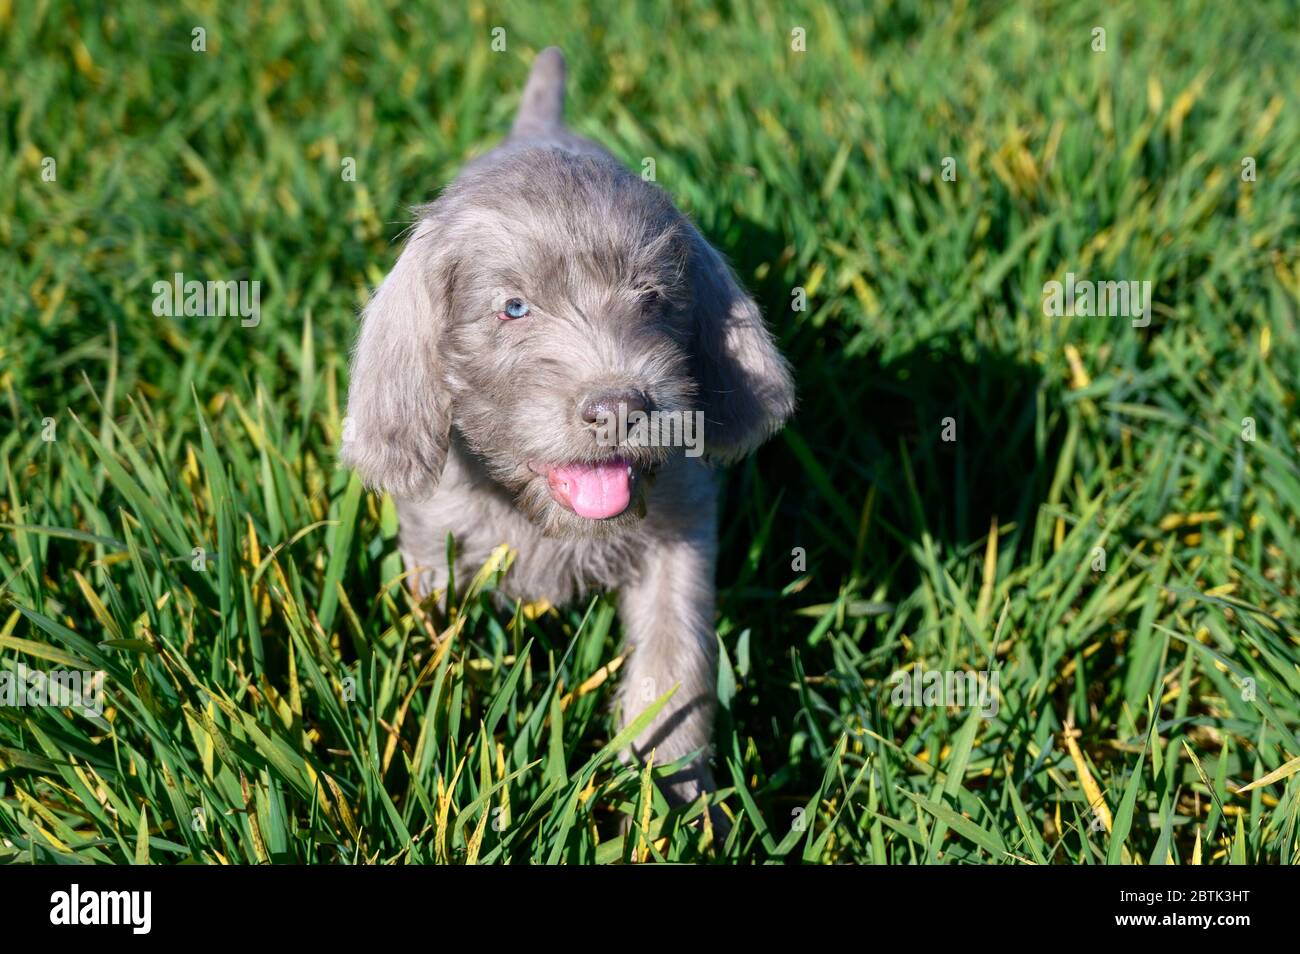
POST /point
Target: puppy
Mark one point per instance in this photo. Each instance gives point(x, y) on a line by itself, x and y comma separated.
point(546, 307)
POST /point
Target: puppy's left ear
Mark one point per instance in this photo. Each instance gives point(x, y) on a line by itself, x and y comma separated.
point(746, 388)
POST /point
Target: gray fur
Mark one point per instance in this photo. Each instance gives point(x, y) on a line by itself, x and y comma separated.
point(542, 108)
point(454, 411)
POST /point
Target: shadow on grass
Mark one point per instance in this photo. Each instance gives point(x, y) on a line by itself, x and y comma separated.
point(943, 438)
point(948, 442)
point(949, 435)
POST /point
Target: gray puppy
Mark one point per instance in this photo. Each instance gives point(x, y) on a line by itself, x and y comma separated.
point(546, 297)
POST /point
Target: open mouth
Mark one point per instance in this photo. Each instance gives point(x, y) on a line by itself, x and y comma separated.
point(596, 491)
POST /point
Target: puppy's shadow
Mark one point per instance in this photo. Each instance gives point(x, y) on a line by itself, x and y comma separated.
point(948, 434)
point(947, 440)
point(941, 437)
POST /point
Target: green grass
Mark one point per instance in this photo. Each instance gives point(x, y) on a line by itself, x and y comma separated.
point(292, 692)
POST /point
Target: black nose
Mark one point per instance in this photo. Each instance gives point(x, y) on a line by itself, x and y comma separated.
point(605, 406)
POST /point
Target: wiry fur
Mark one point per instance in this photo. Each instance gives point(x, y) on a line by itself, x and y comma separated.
point(453, 411)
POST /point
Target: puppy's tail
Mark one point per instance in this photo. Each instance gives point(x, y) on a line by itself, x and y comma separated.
point(542, 109)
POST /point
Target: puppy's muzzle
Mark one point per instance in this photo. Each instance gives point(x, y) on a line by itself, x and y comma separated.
point(608, 406)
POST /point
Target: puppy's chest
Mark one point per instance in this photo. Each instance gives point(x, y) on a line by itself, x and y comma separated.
point(545, 568)
point(560, 571)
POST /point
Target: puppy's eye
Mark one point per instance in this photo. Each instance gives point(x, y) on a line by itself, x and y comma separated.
point(515, 308)
point(652, 299)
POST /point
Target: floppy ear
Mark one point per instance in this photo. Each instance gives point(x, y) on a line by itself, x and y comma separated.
point(395, 433)
point(745, 384)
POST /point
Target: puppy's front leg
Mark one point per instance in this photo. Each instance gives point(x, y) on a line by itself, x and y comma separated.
point(667, 615)
point(422, 540)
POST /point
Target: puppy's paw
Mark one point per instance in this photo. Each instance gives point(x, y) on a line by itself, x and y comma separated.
point(691, 785)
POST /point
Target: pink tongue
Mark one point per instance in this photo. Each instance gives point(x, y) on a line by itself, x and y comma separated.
point(592, 490)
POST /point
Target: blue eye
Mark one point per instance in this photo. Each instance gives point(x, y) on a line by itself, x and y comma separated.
point(515, 308)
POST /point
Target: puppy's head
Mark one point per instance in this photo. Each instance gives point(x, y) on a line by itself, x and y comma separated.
point(541, 302)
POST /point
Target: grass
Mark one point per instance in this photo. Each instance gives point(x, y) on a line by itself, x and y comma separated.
point(277, 697)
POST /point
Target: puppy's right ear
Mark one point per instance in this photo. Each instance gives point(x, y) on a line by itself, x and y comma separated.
point(399, 414)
